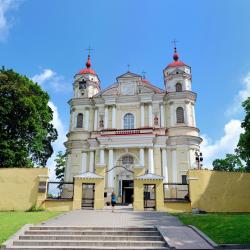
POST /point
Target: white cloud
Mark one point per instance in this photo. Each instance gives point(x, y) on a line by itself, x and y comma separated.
point(226, 144)
point(49, 79)
point(241, 96)
point(6, 23)
point(58, 144)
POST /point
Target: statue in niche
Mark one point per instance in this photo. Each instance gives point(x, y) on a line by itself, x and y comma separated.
point(156, 120)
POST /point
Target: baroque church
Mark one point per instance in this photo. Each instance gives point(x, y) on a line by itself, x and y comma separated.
point(132, 124)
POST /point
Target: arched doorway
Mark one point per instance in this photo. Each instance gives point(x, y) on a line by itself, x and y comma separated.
point(125, 178)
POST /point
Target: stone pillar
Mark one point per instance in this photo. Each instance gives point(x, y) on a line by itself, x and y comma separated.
point(151, 169)
point(84, 162)
point(87, 119)
point(91, 161)
point(106, 117)
point(164, 164)
point(68, 166)
point(174, 166)
point(110, 166)
point(102, 156)
point(142, 157)
point(113, 116)
point(162, 114)
point(142, 115)
point(150, 121)
point(96, 120)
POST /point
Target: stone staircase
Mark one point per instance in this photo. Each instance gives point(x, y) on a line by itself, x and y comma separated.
point(94, 238)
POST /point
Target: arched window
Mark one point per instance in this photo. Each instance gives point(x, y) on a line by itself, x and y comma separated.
point(180, 115)
point(129, 121)
point(127, 159)
point(178, 87)
point(79, 121)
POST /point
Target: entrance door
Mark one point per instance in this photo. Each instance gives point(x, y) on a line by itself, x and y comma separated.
point(149, 196)
point(88, 195)
point(127, 191)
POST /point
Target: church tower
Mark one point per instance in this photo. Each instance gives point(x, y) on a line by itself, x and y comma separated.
point(87, 83)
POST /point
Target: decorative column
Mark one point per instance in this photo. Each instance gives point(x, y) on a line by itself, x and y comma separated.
point(150, 121)
point(164, 164)
point(142, 114)
point(87, 119)
point(162, 114)
point(96, 119)
point(151, 169)
point(102, 156)
point(113, 116)
point(174, 167)
point(142, 157)
point(106, 117)
point(187, 113)
point(91, 161)
point(110, 166)
point(67, 170)
point(193, 111)
point(172, 114)
point(84, 162)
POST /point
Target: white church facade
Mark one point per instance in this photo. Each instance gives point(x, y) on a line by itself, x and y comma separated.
point(131, 125)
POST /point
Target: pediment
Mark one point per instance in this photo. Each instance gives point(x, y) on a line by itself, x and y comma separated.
point(128, 75)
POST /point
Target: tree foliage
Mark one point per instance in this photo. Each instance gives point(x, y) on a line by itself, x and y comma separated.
point(60, 165)
point(240, 161)
point(231, 163)
point(243, 147)
point(26, 131)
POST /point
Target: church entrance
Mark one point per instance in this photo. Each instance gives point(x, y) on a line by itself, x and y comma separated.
point(127, 191)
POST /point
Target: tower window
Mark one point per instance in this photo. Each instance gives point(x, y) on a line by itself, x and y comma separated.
point(180, 115)
point(129, 121)
point(79, 121)
point(178, 87)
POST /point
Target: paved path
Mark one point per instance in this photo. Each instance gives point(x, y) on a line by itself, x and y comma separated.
point(174, 232)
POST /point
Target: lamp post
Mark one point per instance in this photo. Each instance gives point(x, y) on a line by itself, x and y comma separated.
point(198, 159)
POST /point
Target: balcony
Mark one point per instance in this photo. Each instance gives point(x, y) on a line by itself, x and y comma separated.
point(128, 132)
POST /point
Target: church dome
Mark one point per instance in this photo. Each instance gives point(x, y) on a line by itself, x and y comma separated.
point(176, 62)
point(88, 69)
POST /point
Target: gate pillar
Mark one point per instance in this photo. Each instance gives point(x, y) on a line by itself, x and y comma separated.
point(148, 179)
point(89, 178)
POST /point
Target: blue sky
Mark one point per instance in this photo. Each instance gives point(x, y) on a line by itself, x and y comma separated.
point(46, 40)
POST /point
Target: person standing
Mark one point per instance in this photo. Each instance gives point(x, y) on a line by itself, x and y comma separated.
point(113, 201)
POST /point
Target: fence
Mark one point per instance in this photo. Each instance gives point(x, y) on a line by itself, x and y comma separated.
point(60, 190)
point(176, 192)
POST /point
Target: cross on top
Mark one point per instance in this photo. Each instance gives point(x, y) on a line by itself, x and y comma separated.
point(89, 49)
point(128, 67)
point(143, 74)
point(174, 42)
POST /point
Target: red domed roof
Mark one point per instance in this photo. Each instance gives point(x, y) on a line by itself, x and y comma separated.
point(176, 62)
point(87, 70)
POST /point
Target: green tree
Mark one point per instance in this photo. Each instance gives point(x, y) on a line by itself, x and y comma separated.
point(60, 165)
point(231, 163)
point(243, 147)
point(26, 131)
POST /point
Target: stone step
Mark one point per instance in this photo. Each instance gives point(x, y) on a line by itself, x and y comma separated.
point(106, 232)
point(92, 238)
point(86, 248)
point(89, 243)
point(63, 228)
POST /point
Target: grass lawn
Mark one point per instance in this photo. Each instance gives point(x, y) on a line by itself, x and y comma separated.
point(10, 222)
point(223, 228)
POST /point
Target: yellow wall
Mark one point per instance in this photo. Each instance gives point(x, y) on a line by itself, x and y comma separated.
point(19, 187)
point(215, 191)
point(177, 207)
point(60, 205)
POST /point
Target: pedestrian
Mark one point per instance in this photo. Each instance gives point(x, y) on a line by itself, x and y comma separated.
point(113, 201)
